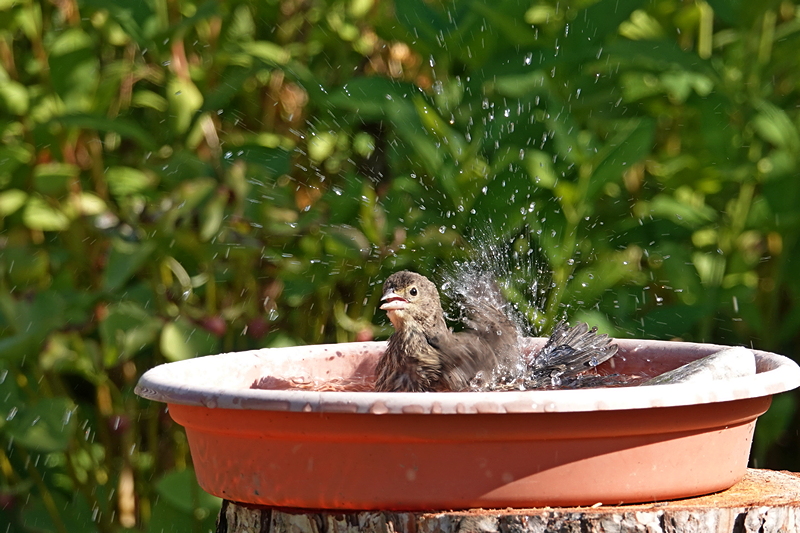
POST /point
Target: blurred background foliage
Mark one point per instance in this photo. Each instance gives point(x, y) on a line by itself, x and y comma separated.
point(185, 178)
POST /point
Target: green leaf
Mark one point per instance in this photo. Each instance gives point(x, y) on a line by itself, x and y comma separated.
point(126, 330)
point(18, 347)
point(182, 491)
point(680, 212)
point(185, 99)
point(728, 10)
point(540, 168)
point(182, 340)
point(182, 506)
point(40, 215)
point(11, 399)
point(346, 241)
point(671, 321)
point(145, 98)
point(213, 214)
point(511, 25)
point(11, 201)
point(423, 22)
point(124, 181)
point(772, 424)
point(15, 97)
point(12, 157)
point(267, 51)
point(75, 514)
point(119, 125)
point(656, 55)
point(632, 142)
point(53, 179)
point(593, 25)
point(275, 161)
point(775, 126)
point(124, 260)
point(74, 68)
point(374, 98)
point(45, 426)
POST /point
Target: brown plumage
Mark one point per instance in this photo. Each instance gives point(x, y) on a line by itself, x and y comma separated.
point(423, 354)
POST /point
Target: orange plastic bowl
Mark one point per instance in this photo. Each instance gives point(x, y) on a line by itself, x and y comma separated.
point(428, 451)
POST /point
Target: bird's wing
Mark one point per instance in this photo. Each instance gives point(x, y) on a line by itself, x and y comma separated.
point(568, 352)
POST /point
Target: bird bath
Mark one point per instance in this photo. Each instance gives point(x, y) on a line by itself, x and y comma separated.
point(455, 450)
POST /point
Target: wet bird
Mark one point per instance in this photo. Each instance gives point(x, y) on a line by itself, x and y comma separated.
point(423, 354)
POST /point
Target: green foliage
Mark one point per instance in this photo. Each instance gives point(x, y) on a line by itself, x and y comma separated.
point(183, 178)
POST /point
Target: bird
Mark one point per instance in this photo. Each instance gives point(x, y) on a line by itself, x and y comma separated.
point(424, 355)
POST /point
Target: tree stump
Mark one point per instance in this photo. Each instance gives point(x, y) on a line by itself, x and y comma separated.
point(763, 502)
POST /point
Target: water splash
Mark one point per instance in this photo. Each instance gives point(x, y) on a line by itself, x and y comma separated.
point(516, 264)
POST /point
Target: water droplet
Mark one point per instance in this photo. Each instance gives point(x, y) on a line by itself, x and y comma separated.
point(11, 414)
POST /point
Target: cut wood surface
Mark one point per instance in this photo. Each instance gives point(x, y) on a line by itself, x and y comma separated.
point(764, 501)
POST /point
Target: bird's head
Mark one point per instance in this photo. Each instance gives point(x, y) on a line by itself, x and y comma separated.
point(411, 296)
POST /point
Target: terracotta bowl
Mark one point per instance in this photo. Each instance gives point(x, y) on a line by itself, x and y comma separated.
point(430, 451)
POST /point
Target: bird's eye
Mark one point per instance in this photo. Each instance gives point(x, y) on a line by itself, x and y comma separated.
point(413, 291)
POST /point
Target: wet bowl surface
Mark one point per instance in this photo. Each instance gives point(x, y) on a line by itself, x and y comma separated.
point(431, 451)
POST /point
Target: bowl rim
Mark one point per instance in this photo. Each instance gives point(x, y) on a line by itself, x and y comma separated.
point(159, 384)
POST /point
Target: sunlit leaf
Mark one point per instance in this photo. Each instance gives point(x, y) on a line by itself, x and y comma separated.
point(213, 214)
point(123, 181)
point(184, 100)
point(775, 126)
point(680, 212)
point(267, 51)
point(145, 98)
point(183, 340)
point(88, 204)
point(40, 215)
point(14, 96)
point(11, 201)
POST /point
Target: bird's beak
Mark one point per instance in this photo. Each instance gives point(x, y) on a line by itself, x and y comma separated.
point(393, 302)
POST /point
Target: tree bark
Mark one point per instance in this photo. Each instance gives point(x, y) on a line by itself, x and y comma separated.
point(763, 502)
